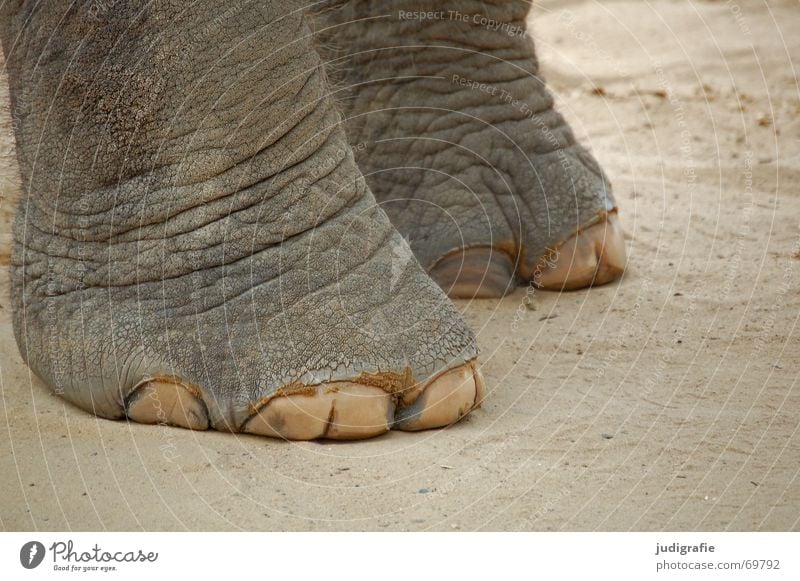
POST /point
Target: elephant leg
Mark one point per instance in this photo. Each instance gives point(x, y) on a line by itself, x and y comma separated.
point(195, 244)
point(457, 136)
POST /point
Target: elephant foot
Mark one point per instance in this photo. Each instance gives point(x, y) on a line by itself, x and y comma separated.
point(300, 340)
point(342, 410)
point(463, 148)
point(216, 268)
point(350, 411)
point(593, 256)
point(479, 273)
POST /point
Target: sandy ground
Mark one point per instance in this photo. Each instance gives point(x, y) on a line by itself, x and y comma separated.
point(668, 401)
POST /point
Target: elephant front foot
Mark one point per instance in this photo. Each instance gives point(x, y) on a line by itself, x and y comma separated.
point(340, 410)
point(336, 332)
point(353, 411)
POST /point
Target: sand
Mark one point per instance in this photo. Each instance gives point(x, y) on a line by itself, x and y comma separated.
point(668, 401)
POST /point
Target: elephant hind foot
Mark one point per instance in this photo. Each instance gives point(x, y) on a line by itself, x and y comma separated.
point(475, 273)
point(593, 256)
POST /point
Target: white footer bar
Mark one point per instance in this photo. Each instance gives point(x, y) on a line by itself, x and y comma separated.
point(401, 556)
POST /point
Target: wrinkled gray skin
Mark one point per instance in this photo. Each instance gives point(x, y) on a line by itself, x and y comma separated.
point(454, 128)
point(191, 205)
